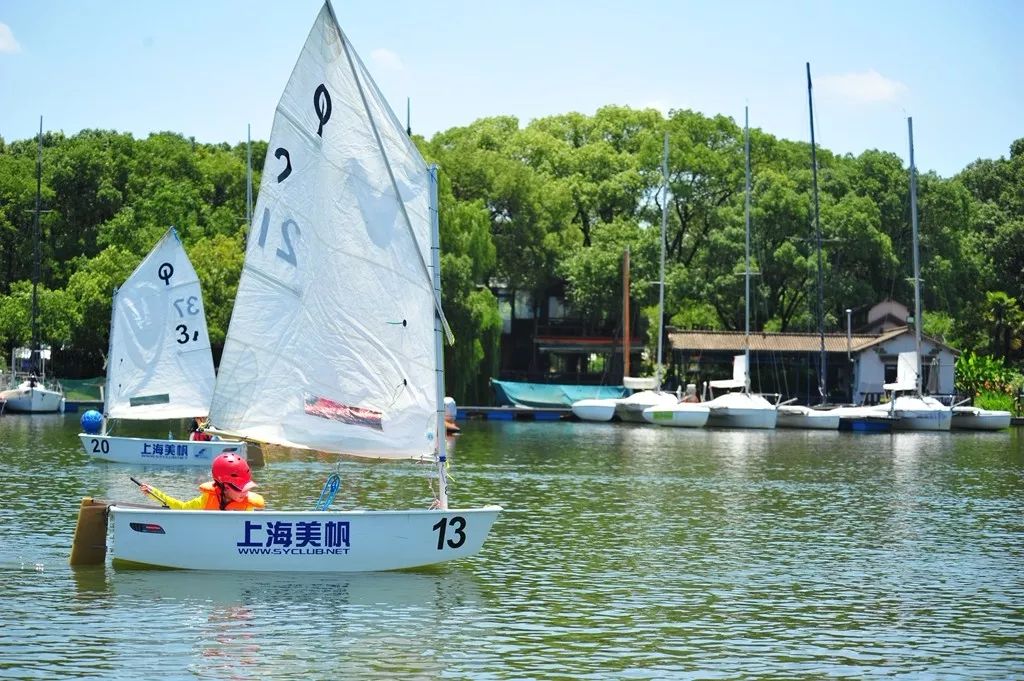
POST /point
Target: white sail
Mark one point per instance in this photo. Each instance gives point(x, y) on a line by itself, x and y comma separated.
point(906, 372)
point(331, 341)
point(159, 365)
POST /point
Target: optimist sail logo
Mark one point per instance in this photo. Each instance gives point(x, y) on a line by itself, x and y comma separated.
point(301, 538)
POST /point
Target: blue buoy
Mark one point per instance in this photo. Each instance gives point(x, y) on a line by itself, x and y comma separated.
point(92, 422)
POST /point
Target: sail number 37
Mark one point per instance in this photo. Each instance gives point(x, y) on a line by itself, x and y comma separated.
point(456, 527)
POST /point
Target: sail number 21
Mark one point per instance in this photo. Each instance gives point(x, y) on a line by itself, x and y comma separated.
point(457, 525)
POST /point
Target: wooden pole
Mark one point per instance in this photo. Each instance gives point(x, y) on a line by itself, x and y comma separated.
point(89, 546)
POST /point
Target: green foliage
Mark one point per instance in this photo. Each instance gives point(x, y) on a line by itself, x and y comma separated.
point(989, 399)
point(554, 203)
point(978, 374)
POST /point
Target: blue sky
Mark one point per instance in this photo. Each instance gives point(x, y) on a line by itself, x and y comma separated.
point(207, 68)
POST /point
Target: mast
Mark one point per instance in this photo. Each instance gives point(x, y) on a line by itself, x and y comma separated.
point(661, 278)
point(917, 266)
point(248, 176)
point(822, 373)
point(36, 358)
point(441, 454)
point(746, 220)
point(625, 314)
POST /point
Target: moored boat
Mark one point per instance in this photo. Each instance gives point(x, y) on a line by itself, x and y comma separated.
point(594, 409)
point(679, 415)
point(799, 416)
point(974, 418)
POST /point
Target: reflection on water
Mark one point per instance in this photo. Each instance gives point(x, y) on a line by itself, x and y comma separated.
point(626, 551)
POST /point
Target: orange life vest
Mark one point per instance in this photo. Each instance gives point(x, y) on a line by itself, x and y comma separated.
point(211, 498)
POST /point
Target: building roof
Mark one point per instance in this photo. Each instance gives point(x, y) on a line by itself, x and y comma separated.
point(733, 341)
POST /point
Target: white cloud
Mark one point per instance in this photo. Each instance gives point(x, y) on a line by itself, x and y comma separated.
point(868, 86)
point(7, 41)
point(387, 59)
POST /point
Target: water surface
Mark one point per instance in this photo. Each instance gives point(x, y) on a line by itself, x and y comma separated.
point(625, 552)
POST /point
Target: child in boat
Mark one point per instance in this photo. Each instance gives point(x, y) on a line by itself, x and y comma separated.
point(196, 431)
point(228, 491)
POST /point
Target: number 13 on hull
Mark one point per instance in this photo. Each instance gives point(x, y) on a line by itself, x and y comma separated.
point(297, 541)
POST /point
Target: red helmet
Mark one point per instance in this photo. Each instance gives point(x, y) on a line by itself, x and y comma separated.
point(230, 469)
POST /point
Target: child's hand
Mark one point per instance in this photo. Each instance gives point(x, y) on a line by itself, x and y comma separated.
point(144, 488)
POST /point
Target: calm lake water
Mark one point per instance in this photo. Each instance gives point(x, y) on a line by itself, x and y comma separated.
point(624, 552)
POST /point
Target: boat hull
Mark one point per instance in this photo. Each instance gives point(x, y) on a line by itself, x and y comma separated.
point(33, 400)
point(979, 419)
point(160, 451)
point(595, 409)
point(806, 418)
point(682, 415)
point(738, 417)
point(865, 424)
point(631, 409)
point(296, 541)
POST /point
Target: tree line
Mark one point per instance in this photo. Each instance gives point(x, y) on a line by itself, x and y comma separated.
point(555, 201)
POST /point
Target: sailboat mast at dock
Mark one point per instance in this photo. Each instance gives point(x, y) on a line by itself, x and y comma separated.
point(822, 366)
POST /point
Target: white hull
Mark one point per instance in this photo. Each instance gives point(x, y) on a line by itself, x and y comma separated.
point(681, 415)
point(594, 409)
point(35, 400)
point(741, 410)
point(973, 418)
point(918, 413)
point(297, 541)
point(795, 416)
point(160, 451)
point(731, 417)
point(631, 409)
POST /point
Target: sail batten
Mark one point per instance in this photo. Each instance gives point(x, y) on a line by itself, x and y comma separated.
point(330, 345)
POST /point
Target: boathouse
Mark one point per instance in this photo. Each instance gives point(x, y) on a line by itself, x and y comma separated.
point(857, 363)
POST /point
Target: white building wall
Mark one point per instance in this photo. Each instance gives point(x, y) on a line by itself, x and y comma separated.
point(870, 368)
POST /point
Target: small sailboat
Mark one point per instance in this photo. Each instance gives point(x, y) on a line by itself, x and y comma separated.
point(31, 393)
point(649, 393)
point(335, 340)
point(975, 418)
point(909, 406)
point(742, 408)
point(796, 415)
point(159, 363)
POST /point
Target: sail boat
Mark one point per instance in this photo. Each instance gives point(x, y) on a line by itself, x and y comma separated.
point(798, 415)
point(159, 363)
point(632, 408)
point(33, 395)
point(335, 340)
point(911, 408)
point(742, 408)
